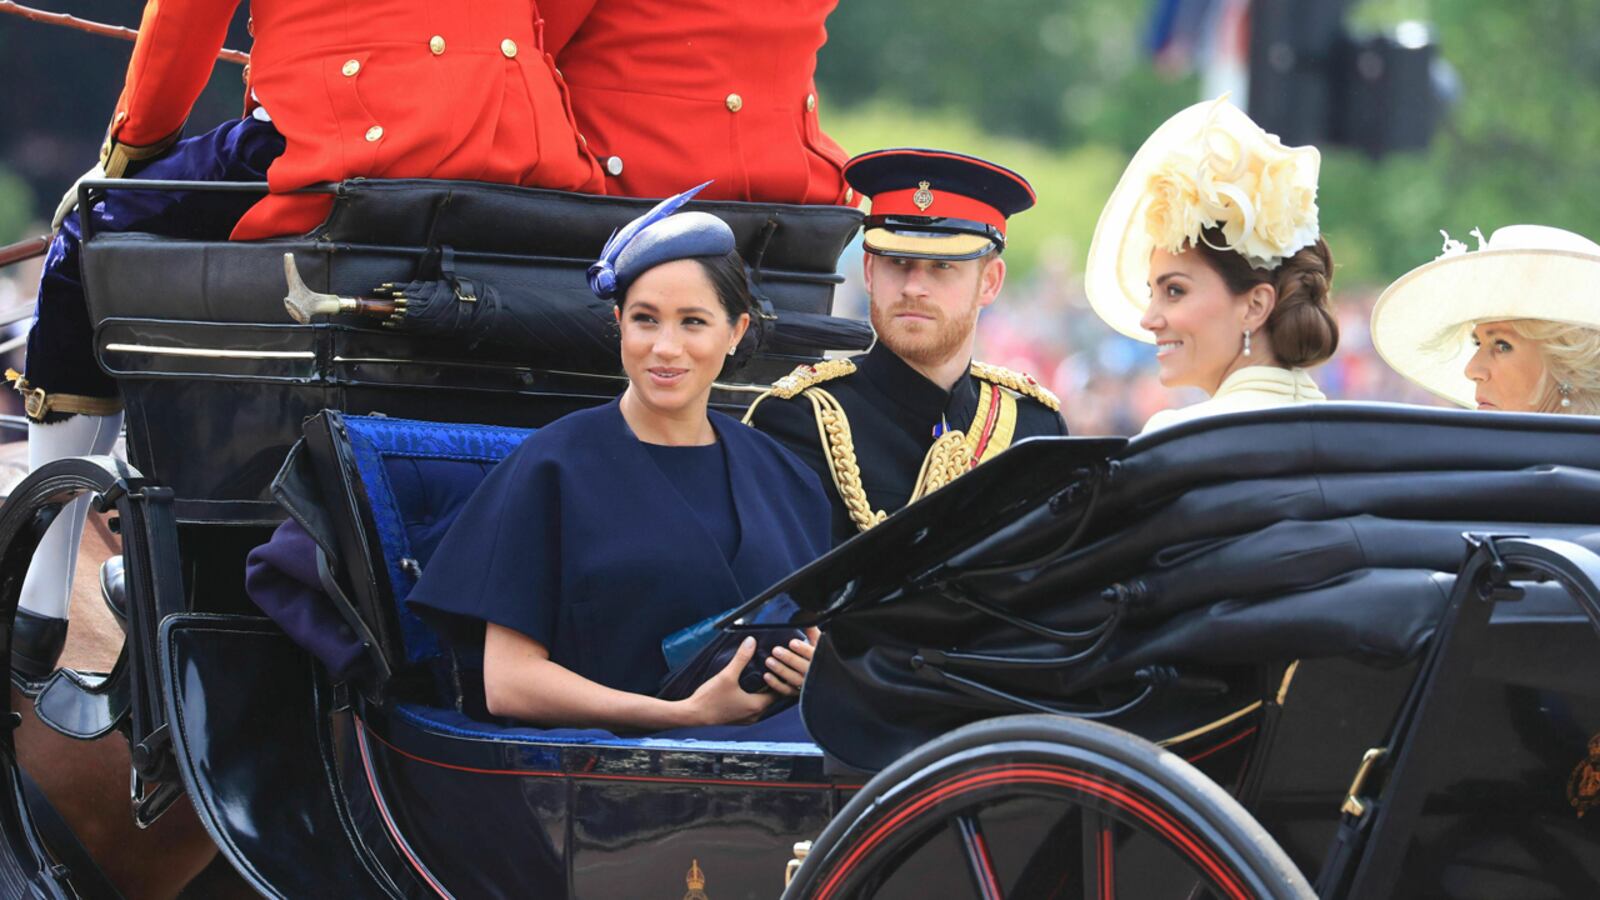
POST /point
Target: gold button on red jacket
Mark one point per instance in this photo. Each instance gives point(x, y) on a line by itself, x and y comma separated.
point(682, 91)
point(473, 112)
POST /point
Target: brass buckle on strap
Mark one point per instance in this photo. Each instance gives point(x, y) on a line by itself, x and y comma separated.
point(38, 403)
point(35, 403)
point(34, 400)
point(1354, 803)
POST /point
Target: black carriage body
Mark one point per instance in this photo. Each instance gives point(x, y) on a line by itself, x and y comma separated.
point(439, 799)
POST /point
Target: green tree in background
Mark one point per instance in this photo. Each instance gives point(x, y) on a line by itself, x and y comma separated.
point(1061, 74)
point(1519, 147)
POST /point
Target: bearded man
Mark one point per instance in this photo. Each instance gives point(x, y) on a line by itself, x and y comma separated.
point(916, 411)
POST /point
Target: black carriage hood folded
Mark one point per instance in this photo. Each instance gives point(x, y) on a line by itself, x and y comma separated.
point(1242, 540)
point(530, 246)
point(510, 219)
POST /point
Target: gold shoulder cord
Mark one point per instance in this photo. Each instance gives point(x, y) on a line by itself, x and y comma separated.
point(952, 455)
point(833, 427)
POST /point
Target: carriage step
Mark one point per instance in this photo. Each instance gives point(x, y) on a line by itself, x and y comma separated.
point(84, 705)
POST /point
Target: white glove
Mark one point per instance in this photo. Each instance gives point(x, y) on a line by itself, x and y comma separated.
point(69, 200)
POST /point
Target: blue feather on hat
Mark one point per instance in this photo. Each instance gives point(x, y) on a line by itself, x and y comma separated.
point(603, 276)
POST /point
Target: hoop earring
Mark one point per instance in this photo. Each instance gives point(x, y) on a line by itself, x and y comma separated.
point(1247, 342)
point(1566, 394)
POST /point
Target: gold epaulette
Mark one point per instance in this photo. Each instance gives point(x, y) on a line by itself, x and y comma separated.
point(789, 386)
point(1022, 384)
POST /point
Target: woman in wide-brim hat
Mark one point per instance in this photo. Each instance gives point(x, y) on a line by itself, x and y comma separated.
point(1512, 326)
point(1210, 249)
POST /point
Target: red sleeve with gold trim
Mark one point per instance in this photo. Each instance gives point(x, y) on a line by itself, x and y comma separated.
point(172, 60)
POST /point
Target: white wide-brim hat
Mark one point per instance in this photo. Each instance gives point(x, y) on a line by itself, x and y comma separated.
point(1118, 270)
point(1421, 325)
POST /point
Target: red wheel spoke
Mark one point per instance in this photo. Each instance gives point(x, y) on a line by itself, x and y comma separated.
point(1099, 856)
point(980, 865)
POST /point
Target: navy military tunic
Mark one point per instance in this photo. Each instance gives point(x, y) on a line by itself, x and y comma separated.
point(893, 412)
point(580, 541)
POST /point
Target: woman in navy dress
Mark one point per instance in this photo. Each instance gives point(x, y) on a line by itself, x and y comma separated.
point(614, 527)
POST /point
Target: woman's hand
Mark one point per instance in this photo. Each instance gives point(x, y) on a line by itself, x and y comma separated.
point(720, 701)
point(787, 666)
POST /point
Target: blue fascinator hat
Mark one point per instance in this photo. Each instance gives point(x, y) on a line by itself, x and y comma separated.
point(659, 236)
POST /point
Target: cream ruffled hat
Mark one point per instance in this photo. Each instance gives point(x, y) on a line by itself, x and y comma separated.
point(1421, 325)
point(1209, 165)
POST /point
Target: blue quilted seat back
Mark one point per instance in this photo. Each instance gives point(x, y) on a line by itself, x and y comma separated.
point(417, 475)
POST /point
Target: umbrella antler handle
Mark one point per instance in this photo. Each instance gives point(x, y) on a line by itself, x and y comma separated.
point(304, 304)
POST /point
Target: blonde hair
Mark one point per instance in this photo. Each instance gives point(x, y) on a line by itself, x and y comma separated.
point(1571, 356)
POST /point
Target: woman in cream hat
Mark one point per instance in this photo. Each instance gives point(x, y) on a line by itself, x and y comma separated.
point(1209, 248)
point(1512, 326)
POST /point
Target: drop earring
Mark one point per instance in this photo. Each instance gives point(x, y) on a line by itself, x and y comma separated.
point(1247, 342)
point(1566, 395)
point(732, 349)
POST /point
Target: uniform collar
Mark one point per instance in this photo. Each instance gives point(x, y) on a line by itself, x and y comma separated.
point(915, 394)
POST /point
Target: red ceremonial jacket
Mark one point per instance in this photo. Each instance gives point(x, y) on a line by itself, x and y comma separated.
point(670, 93)
point(377, 88)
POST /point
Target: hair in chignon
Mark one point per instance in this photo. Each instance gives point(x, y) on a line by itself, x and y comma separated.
point(1301, 329)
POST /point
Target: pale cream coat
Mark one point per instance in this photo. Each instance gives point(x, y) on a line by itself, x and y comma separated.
point(1249, 388)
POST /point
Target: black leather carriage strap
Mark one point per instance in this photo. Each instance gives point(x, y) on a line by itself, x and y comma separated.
point(1374, 829)
point(81, 871)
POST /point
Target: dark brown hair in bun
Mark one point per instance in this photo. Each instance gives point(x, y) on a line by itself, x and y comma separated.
point(1301, 329)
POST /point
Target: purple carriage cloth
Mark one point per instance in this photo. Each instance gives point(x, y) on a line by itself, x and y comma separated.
point(281, 577)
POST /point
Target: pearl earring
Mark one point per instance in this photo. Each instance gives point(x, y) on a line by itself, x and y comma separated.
point(1247, 342)
point(1566, 394)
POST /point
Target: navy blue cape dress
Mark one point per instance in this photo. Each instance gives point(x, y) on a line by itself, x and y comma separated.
point(580, 541)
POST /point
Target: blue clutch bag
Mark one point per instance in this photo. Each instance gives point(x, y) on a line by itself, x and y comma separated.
point(696, 653)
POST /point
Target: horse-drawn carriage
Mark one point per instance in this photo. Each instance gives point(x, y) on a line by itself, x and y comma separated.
point(1342, 643)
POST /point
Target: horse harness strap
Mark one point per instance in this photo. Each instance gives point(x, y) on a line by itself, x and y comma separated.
point(954, 453)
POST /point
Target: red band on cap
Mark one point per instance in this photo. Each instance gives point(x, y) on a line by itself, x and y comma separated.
point(946, 204)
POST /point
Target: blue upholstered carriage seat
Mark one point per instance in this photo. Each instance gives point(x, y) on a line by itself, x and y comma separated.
point(417, 475)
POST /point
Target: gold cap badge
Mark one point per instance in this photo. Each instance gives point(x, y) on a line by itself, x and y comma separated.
point(923, 198)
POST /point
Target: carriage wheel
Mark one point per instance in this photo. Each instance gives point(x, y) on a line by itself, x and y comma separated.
point(1043, 806)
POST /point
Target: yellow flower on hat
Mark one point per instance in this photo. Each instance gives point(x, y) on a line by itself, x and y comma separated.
point(1232, 175)
point(1207, 166)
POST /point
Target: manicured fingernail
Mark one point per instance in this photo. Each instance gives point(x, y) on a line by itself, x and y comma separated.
point(747, 643)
